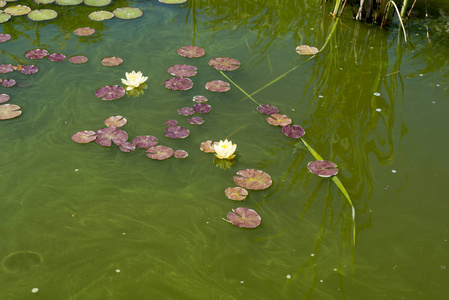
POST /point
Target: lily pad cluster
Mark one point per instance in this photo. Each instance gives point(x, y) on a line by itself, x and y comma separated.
point(120, 13)
point(21, 10)
point(24, 69)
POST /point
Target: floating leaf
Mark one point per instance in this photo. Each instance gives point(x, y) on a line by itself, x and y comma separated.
point(196, 121)
point(4, 37)
point(145, 141)
point(208, 146)
point(44, 1)
point(6, 68)
point(268, 109)
point(191, 51)
point(110, 92)
point(78, 59)
point(127, 147)
point(253, 179)
point(218, 86)
point(84, 137)
point(172, 1)
point(84, 31)
point(4, 17)
point(159, 152)
point(4, 98)
point(294, 131)
point(42, 15)
point(57, 57)
point(111, 134)
point(30, 69)
point(178, 84)
point(115, 121)
point(180, 154)
point(97, 2)
point(199, 99)
point(101, 15)
point(244, 217)
point(68, 2)
point(322, 168)
point(186, 111)
point(171, 123)
point(17, 10)
point(236, 193)
point(127, 12)
point(306, 50)
point(177, 132)
point(111, 61)
point(224, 63)
point(279, 120)
point(182, 70)
point(36, 54)
point(202, 108)
point(8, 82)
point(9, 111)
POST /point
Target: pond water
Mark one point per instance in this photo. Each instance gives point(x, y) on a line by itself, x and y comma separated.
point(80, 221)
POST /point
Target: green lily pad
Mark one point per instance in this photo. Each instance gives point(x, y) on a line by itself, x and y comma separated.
point(100, 15)
point(42, 14)
point(172, 1)
point(97, 2)
point(69, 2)
point(17, 10)
point(253, 179)
point(2, 3)
point(4, 16)
point(9, 111)
point(44, 1)
point(244, 217)
point(127, 13)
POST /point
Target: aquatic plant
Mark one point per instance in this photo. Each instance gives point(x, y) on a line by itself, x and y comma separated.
point(244, 217)
point(225, 149)
point(133, 80)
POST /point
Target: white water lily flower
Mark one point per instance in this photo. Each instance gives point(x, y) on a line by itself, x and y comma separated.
point(133, 80)
point(225, 150)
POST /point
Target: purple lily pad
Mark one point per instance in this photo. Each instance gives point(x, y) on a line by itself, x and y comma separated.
point(224, 63)
point(182, 70)
point(78, 59)
point(306, 50)
point(127, 147)
point(293, 131)
point(159, 152)
point(110, 92)
point(4, 37)
point(145, 141)
point(186, 111)
point(178, 84)
point(57, 57)
point(180, 154)
point(244, 217)
point(322, 168)
point(196, 121)
point(36, 54)
point(199, 99)
point(9, 111)
point(111, 61)
point(268, 109)
point(6, 68)
point(177, 132)
point(208, 146)
point(218, 86)
point(191, 51)
point(84, 31)
point(8, 82)
point(115, 121)
point(279, 120)
point(252, 179)
point(236, 193)
point(84, 137)
point(171, 123)
point(111, 134)
point(30, 69)
point(202, 108)
point(4, 98)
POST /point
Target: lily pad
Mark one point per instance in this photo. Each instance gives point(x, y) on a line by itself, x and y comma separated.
point(57, 57)
point(101, 15)
point(127, 147)
point(306, 50)
point(171, 123)
point(244, 217)
point(84, 137)
point(6, 68)
point(30, 69)
point(97, 2)
point(268, 109)
point(115, 121)
point(322, 168)
point(36, 54)
point(236, 193)
point(105, 136)
point(127, 13)
point(8, 82)
point(4, 17)
point(78, 59)
point(252, 179)
point(145, 141)
point(224, 63)
point(186, 111)
point(84, 31)
point(191, 51)
point(44, 1)
point(180, 154)
point(172, 1)
point(218, 86)
point(111, 61)
point(42, 15)
point(202, 108)
point(110, 92)
point(293, 131)
point(182, 70)
point(17, 10)
point(4, 98)
point(199, 99)
point(68, 2)
point(176, 132)
point(208, 146)
point(279, 120)
point(159, 152)
point(4, 37)
point(9, 111)
point(196, 121)
point(178, 84)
